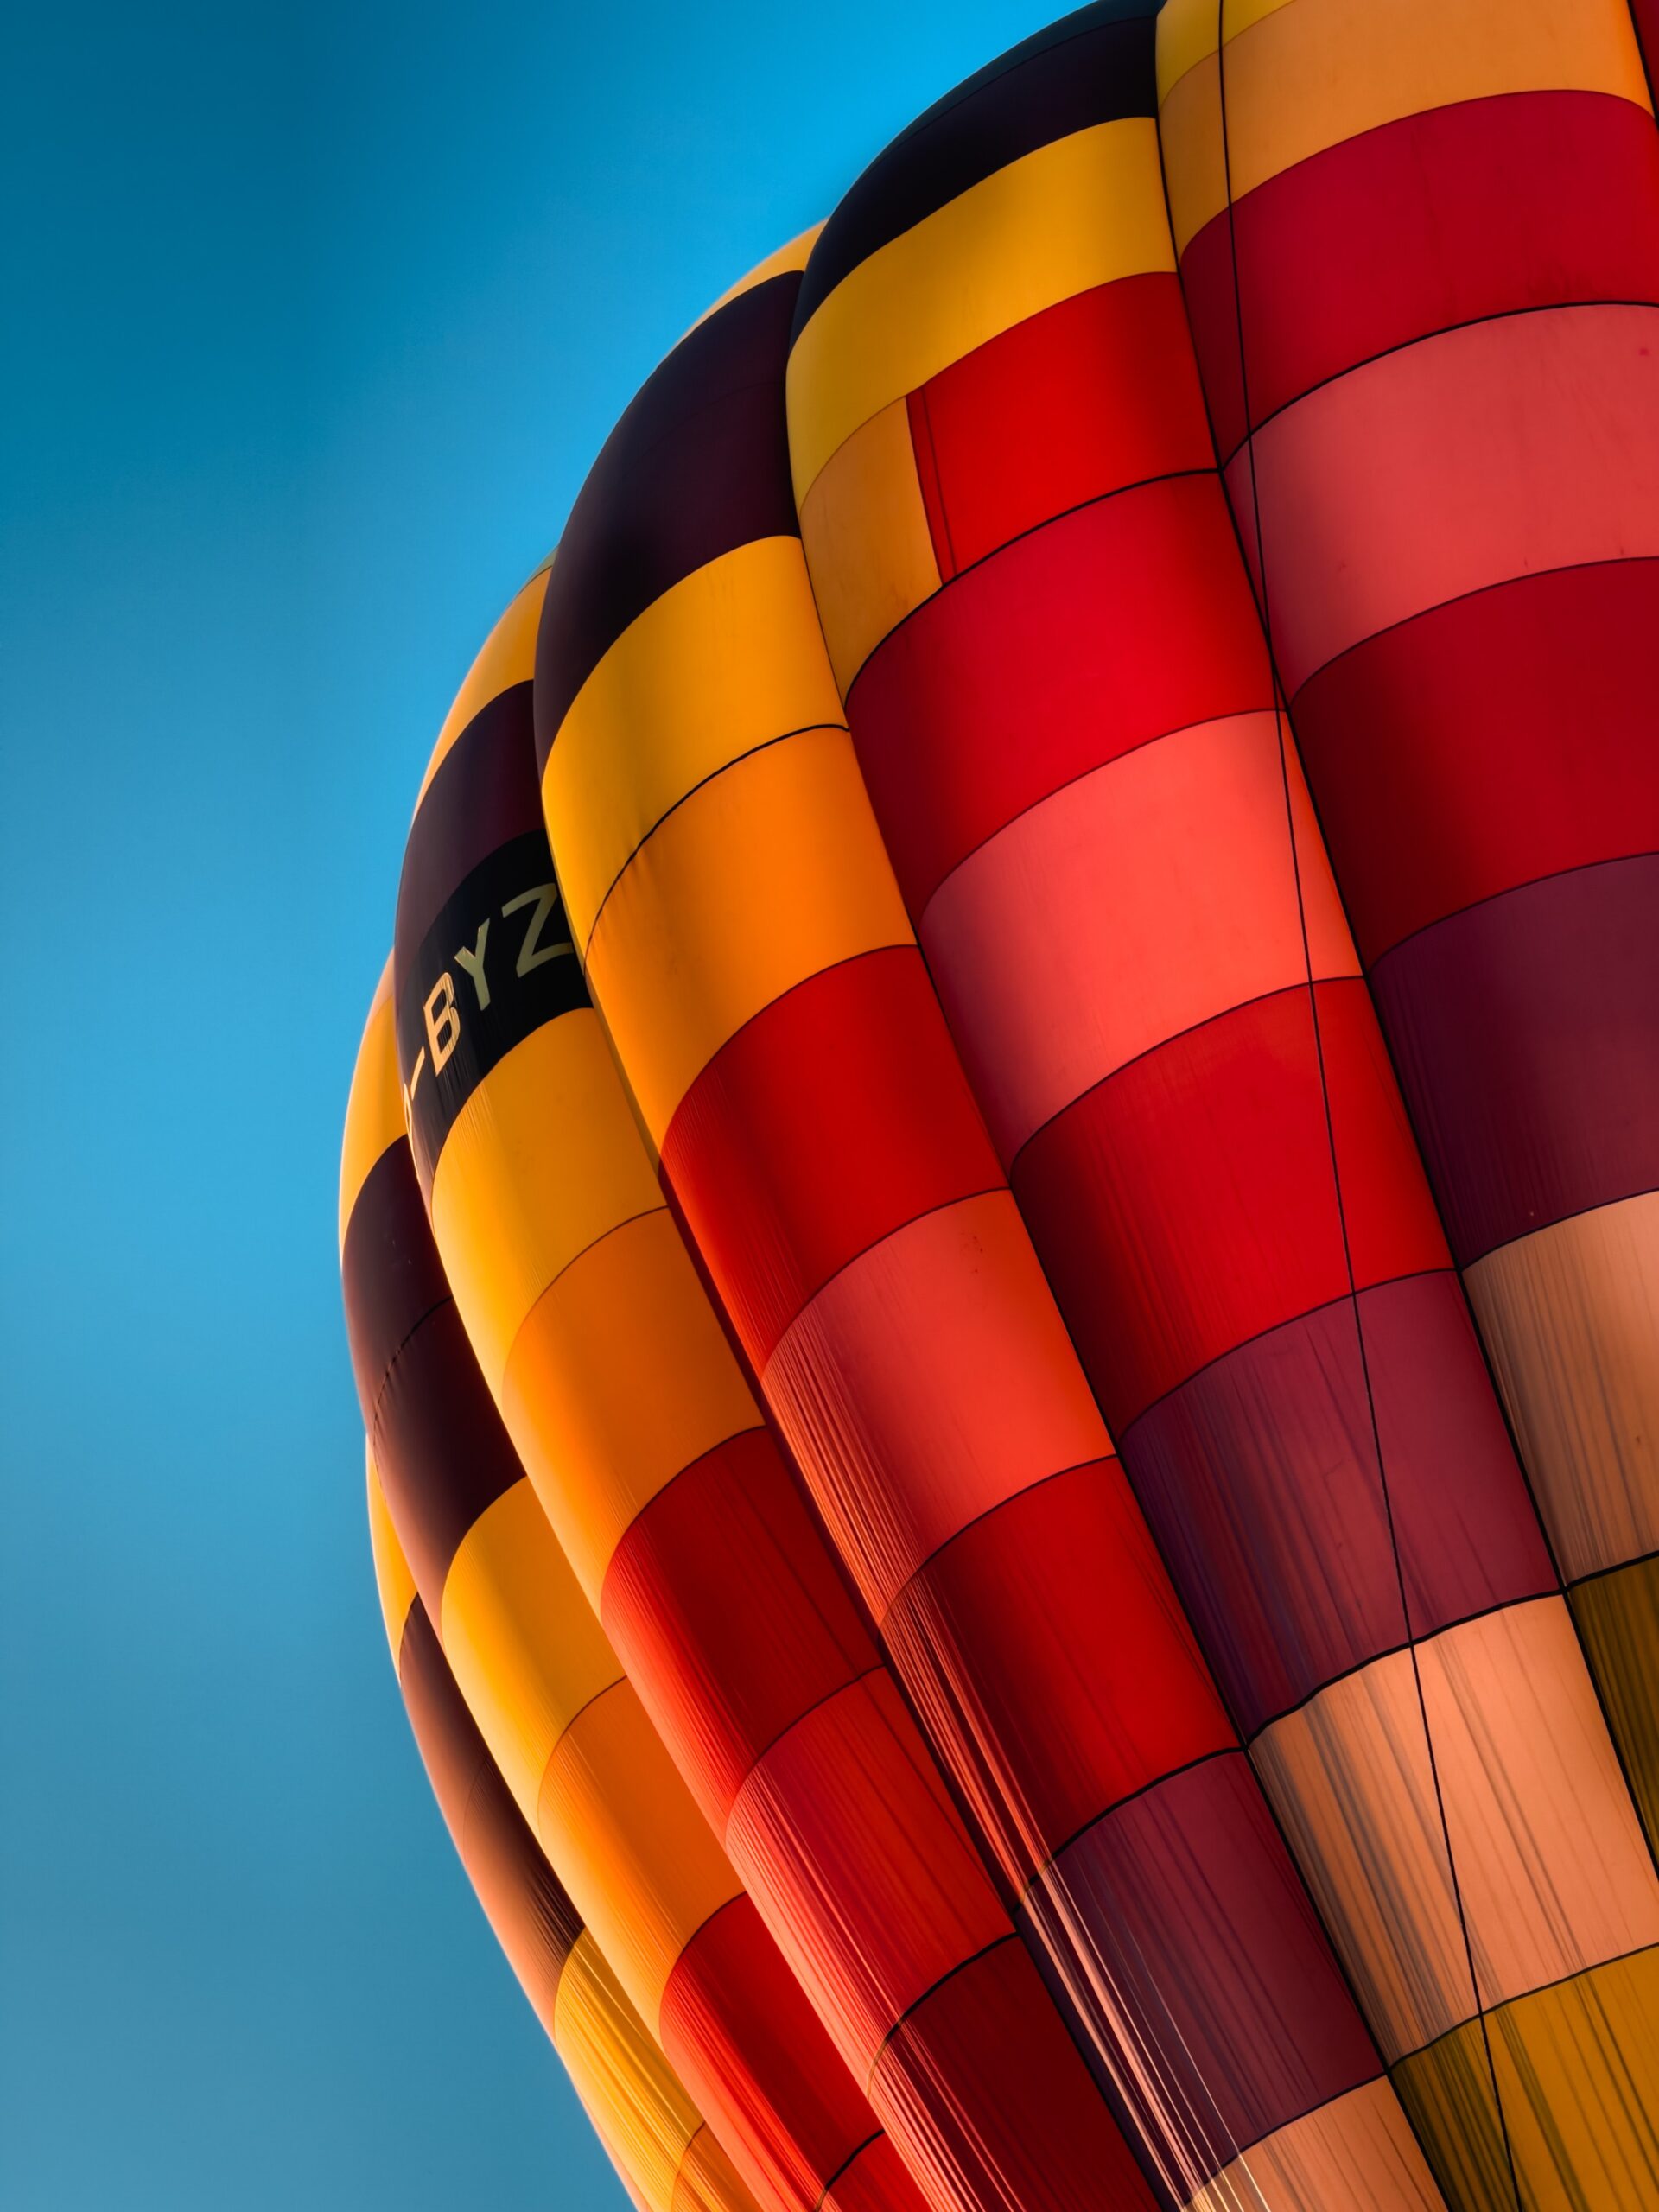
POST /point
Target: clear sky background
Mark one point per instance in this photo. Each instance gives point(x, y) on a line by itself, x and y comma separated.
point(315, 316)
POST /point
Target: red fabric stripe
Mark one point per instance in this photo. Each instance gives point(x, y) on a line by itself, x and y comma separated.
point(870, 2181)
point(738, 2029)
point(787, 1180)
point(850, 1803)
point(723, 1604)
point(927, 475)
point(1487, 207)
point(1115, 625)
point(1526, 1035)
point(1054, 1663)
point(993, 2024)
point(1096, 393)
point(1486, 744)
point(1187, 1204)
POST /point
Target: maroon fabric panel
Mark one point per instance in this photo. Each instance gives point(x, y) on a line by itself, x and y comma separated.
point(390, 1271)
point(1187, 1204)
point(723, 1595)
point(441, 1450)
point(1200, 1932)
point(1500, 738)
point(1260, 1481)
point(1052, 1663)
point(1484, 207)
point(483, 795)
point(1468, 1535)
point(985, 2048)
point(1526, 1035)
point(534, 1921)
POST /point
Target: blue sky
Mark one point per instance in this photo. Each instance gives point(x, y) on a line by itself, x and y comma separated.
point(316, 317)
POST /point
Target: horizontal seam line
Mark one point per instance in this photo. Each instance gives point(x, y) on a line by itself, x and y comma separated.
point(1069, 783)
point(1601, 1573)
point(1062, 514)
point(1458, 599)
point(691, 793)
point(941, 1205)
point(931, 1991)
point(828, 1697)
point(1502, 2004)
point(1057, 1474)
point(1508, 890)
point(1556, 1221)
point(804, 983)
point(1348, 1297)
point(857, 2151)
point(1427, 338)
point(1204, 1021)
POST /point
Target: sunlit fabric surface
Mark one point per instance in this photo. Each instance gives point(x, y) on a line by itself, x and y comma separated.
point(1001, 1211)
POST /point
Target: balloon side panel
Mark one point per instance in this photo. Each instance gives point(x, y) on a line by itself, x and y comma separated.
point(1422, 262)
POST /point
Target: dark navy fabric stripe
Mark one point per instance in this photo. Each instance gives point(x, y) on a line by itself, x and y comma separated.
point(1097, 65)
point(497, 962)
point(534, 1921)
point(390, 1271)
point(697, 466)
point(484, 792)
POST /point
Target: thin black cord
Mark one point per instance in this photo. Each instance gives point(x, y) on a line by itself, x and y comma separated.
point(1286, 732)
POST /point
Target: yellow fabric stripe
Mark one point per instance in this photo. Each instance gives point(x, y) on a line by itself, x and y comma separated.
point(620, 1829)
point(521, 1639)
point(620, 1377)
point(621, 2076)
point(728, 658)
point(392, 1577)
point(1310, 76)
point(1079, 212)
point(1617, 1615)
point(511, 1203)
point(1577, 2070)
point(1187, 33)
point(374, 1106)
point(507, 657)
point(1577, 2075)
point(628, 2089)
point(770, 872)
point(868, 548)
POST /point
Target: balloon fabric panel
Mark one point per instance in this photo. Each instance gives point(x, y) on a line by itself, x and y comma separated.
point(995, 1366)
point(593, 1781)
point(1095, 729)
point(835, 1817)
point(1467, 405)
point(648, 2127)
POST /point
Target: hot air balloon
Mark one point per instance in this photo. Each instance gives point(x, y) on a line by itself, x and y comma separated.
point(1002, 1206)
